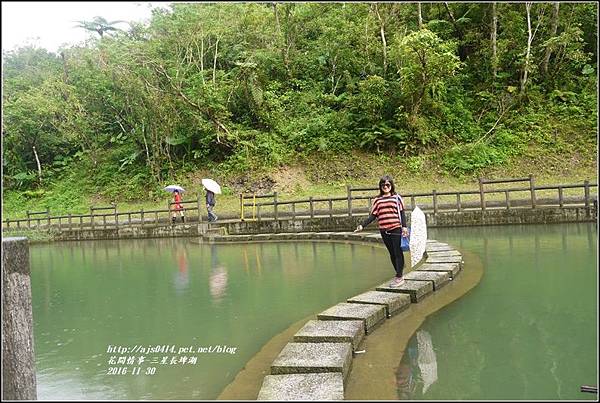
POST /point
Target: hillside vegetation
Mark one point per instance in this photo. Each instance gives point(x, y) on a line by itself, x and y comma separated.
point(302, 98)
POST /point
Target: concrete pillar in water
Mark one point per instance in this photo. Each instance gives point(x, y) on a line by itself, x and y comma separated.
point(18, 364)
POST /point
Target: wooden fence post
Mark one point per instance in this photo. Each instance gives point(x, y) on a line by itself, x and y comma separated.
point(200, 208)
point(507, 199)
point(458, 206)
point(532, 187)
point(481, 194)
point(310, 200)
point(349, 190)
point(18, 362)
point(586, 192)
point(92, 215)
point(434, 201)
point(275, 205)
point(241, 206)
point(293, 211)
point(330, 208)
point(142, 216)
point(560, 196)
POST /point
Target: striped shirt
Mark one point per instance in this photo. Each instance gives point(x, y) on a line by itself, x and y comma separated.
point(385, 208)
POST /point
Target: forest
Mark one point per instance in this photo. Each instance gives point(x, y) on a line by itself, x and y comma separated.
point(243, 87)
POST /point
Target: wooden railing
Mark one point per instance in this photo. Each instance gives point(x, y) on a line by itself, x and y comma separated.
point(434, 201)
point(106, 220)
point(356, 202)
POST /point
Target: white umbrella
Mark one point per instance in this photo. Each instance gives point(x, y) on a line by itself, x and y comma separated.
point(211, 185)
point(173, 188)
point(418, 235)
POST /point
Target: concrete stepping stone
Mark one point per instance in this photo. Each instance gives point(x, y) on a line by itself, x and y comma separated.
point(437, 247)
point(342, 235)
point(444, 259)
point(237, 238)
point(443, 253)
point(438, 278)
point(304, 235)
point(332, 331)
point(370, 314)
point(452, 268)
point(323, 235)
point(416, 289)
point(376, 237)
point(306, 358)
point(282, 236)
point(261, 237)
point(394, 303)
point(307, 387)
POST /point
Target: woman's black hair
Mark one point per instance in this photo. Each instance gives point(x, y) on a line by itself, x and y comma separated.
point(384, 179)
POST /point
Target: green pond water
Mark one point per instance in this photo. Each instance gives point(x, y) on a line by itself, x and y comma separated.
point(527, 331)
point(100, 306)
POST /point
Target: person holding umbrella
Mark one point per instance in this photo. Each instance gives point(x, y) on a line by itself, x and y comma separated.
point(178, 207)
point(212, 188)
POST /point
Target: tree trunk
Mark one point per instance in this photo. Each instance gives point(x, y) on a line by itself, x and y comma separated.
point(202, 58)
point(493, 38)
point(276, 18)
point(18, 363)
point(383, 41)
point(366, 43)
point(419, 15)
point(553, 30)
point(462, 53)
point(528, 51)
point(39, 166)
point(215, 61)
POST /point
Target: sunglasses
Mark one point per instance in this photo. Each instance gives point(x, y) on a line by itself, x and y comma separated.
point(386, 185)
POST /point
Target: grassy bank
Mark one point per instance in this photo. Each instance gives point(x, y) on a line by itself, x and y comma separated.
point(323, 175)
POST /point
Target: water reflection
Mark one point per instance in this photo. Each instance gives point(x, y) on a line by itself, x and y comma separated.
point(417, 367)
point(218, 277)
point(181, 278)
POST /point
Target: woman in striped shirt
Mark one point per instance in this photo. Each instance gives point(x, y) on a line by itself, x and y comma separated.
point(388, 209)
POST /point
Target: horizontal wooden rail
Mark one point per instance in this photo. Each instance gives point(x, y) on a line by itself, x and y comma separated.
point(30, 213)
point(433, 202)
point(505, 180)
point(92, 208)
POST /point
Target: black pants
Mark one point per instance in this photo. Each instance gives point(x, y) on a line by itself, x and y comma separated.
point(393, 242)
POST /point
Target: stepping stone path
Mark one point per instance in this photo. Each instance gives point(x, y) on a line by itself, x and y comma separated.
point(393, 303)
point(317, 363)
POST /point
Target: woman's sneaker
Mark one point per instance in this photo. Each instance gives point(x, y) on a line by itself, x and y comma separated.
point(396, 282)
